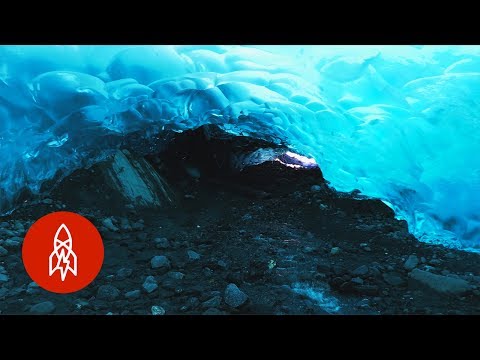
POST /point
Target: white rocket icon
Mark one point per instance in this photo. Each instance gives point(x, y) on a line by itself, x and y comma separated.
point(62, 257)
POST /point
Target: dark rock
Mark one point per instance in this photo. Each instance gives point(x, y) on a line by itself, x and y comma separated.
point(33, 288)
point(150, 284)
point(357, 281)
point(160, 261)
point(46, 307)
point(335, 251)
point(13, 242)
point(133, 178)
point(213, 311)
point(439, 283)
point(47, 201)
point(212, 303)
point(316, 188)
point(361, 270)
point(108, 292)
point(222, 264)
point(3, 278)
point(176, 275)
point(157, 310)
point(138, 226)
point(107, 222)
point(394, 279)
point(411, 262)
point(192, 303)
point(161, 243)
point(124, 273)
point(193, 256)
point(3, 251)
point(234, 297)
point(132, 295)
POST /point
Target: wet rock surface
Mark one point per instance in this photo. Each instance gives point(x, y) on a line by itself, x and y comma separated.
point(267, 240)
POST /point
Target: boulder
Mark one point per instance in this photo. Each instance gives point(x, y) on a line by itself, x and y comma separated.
point(439, 283)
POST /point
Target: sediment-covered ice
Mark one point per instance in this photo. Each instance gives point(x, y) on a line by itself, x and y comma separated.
point(396, 122)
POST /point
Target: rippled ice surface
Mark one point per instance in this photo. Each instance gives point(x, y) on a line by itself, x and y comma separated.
point(396, 122)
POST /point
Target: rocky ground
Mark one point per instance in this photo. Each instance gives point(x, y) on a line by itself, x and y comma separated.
point(267, 240)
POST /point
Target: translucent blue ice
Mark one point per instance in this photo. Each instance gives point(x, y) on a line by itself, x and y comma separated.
point(396, 122)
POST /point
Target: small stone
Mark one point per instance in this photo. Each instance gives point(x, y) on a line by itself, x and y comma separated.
point(47, 201)
point(323, 207)
point(450, 255)
point(364, 303)
point(124, 273)
point(3, 270)
point(177, 275)
point(12, 243)
point(33, 288)
point(3, 251)
point(393, 279)
point(423, 260)
point(160, 261)
point(335, 251)
point(357, 281)
point(234, 297)
point(3, 278)
point(107, 222)
point(132, 295)
point(150, 284)
point(361, 270)
point(138, 226)
point(411, 263)
point(3, 292)
point(161, 243)
point(213, 311)
point(308, 250)
point(192, 303)
point(46, 307)
point(193, 256)
point(158, 310)
point(246, 217)
point(189, 196)
point(212, 303)
point(222, 264)
point(316, 188)
point(107, 292)
point(435, 262)
point(125, 224)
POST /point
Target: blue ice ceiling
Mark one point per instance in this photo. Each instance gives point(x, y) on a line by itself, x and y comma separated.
point(396, 122)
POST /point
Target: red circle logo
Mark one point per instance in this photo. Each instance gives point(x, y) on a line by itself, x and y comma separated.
point(62, 252)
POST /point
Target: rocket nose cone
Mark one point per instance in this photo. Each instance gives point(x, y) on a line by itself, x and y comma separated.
point(63, 233)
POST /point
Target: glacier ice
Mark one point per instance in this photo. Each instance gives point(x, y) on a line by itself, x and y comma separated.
point(400, 123)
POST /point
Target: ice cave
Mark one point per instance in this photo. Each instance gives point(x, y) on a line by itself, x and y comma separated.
point(398, 123)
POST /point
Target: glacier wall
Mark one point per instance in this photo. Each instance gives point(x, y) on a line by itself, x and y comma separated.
point(396, 122)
